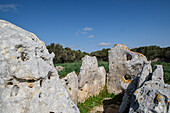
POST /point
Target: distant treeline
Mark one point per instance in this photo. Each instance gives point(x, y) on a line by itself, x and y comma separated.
point(63, 55)
point(155, 53)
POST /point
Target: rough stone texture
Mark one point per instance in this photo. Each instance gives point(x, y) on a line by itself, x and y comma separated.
point(123, 62)
point(70, 82)
point(147, 69)
point(29, 82)
point(91, 78)
point(158, 75)
point(149, 95)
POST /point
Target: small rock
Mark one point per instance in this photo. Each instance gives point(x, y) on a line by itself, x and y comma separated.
point(59, 68)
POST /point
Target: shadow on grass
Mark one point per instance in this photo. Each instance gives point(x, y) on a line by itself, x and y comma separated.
point(112, 105)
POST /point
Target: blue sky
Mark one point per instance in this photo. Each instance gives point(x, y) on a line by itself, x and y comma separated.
point(91, 25)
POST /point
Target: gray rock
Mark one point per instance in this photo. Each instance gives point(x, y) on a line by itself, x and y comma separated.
point(29, 82)
point(70, 82)
point(123, 62)
point(153, 96)
point(147, 69)
point(149, 95)
point(158, 74)
point(91, 78)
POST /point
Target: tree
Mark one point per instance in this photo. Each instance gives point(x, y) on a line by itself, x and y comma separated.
point(63, 55)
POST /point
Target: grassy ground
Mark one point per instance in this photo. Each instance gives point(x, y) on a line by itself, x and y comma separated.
point(68, 68)
point(94, 101)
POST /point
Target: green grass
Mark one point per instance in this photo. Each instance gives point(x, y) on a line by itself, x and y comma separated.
point(166, 69)
point(94, 101)
point(70, 67)
point(104, 64)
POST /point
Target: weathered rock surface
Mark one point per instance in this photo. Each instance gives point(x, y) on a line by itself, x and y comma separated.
point(153, 96)
point(91, 78)
point(123, 62)
point(147, 94)
point(29, 82)
point(70, 82)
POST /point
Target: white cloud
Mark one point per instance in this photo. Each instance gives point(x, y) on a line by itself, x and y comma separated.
point(105, 44)
point(91, 36)
point(9, 7)
point(83, 32)
point(87, 29)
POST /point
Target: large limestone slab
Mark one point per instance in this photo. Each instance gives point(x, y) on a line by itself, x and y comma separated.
point(29, 83)
point(123, 62)
point(147, 94)
point(91, 78)
point(153, 96)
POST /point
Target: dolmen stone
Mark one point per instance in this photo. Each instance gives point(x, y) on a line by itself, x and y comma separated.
point(123, 63)
point(29, 82)
point(91, 78)
point(70, 82)
point(147, 93)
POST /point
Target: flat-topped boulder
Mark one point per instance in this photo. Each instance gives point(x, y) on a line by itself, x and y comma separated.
point(29, 82)
point(91, 78)
point(123, 62)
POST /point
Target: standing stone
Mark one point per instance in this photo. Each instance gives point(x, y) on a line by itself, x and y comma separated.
point(123, 62)
point(147, 94)
point(70, 82)
point(147, 69)
point(158, 74)
point(91, 78)
point(136, 83)
point(153, 96)
point(29, 82)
